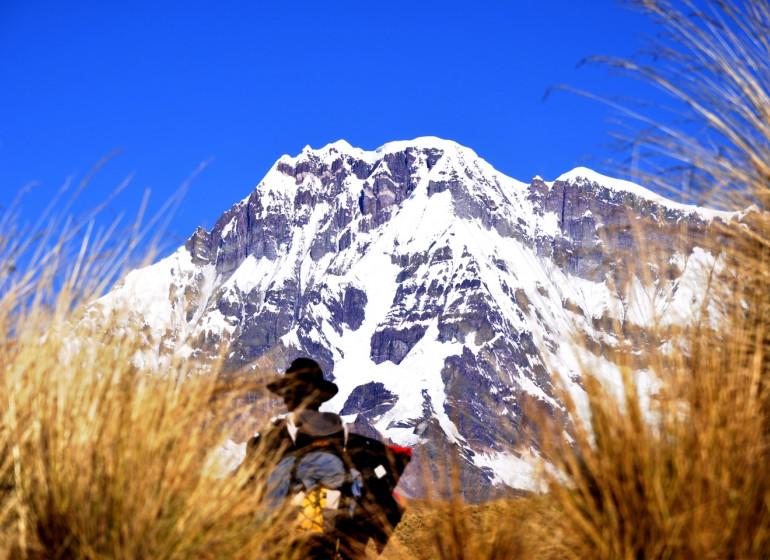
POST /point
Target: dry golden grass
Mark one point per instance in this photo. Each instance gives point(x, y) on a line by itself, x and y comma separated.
point(99, 459)
point(687, 476)
point(686, 480)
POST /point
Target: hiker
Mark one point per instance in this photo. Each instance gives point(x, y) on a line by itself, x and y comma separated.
point(341, 485)
point(296, 437)
point(303, 390)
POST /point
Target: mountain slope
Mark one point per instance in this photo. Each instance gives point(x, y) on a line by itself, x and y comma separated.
point(437, 292)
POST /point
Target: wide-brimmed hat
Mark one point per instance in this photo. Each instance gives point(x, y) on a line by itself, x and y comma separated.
point(304, 377)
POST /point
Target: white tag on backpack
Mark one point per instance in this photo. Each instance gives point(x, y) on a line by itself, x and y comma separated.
point(298, 498)
point(380, 471)
point(333, 499)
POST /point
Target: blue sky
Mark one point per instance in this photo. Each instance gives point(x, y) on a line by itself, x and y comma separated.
point(238, 84)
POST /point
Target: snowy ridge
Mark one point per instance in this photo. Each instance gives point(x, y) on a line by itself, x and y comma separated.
point(583, 174)
point(440, 294)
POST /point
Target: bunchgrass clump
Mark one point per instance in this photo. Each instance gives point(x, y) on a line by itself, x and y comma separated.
point(685, 476)
point(100, 458)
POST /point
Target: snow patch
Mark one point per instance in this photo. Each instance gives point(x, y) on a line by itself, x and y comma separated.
point(229, 227)
point(520, 472)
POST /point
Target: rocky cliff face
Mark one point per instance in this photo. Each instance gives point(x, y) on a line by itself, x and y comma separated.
point(439, 294)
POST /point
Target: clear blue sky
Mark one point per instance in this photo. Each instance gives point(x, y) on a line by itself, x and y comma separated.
point(241, 83)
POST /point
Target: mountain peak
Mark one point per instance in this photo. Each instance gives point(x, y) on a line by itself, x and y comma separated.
point(419, 144)
point(436, 291)
point(423, 142)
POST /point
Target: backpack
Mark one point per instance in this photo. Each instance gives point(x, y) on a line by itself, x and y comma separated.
point(338, 487)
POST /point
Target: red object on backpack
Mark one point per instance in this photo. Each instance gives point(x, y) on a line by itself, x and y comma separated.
point(401, 450)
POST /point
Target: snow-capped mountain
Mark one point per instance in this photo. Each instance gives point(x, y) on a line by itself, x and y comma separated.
point(439, 294)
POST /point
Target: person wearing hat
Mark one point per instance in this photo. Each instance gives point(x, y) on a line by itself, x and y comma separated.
point(303, 386)
point(303, 390)
point(306, 431)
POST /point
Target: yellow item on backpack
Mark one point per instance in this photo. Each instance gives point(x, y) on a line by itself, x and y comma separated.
point(311, 516)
